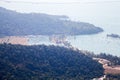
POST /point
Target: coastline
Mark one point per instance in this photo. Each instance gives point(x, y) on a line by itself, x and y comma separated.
point(15, 40)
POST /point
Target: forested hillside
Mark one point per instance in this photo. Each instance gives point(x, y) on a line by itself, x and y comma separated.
point(42, 62)
point(14, 24)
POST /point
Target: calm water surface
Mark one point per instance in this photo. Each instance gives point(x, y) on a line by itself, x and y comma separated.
point(103, 14)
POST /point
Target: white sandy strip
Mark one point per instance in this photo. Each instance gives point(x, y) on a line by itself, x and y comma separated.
point(15, 40)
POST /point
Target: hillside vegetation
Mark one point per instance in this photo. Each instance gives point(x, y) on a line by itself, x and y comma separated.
point(42, 62)
point(14, 24)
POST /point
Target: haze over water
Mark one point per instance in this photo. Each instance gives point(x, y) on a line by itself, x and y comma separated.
point(104, 14)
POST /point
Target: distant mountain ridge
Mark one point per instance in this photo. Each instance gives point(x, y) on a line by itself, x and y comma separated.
point(14, 24)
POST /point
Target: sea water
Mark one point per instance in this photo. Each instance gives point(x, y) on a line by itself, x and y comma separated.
point(102, 14)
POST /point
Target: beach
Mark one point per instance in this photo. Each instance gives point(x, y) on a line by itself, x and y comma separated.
point(14, 40)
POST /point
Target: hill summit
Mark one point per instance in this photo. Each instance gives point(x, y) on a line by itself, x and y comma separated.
point(42, 62)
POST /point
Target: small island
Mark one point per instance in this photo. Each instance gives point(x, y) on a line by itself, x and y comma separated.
point(113, 35)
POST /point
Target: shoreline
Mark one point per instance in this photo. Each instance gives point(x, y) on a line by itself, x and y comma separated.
point(23, 40)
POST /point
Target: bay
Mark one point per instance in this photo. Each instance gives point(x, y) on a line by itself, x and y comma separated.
point(102, 14)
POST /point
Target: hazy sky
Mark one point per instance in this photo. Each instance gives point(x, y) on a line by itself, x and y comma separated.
point(85, 10)
point(62, 1)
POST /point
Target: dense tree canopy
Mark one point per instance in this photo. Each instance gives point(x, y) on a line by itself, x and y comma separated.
point(42, 62)
point(113, 77)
